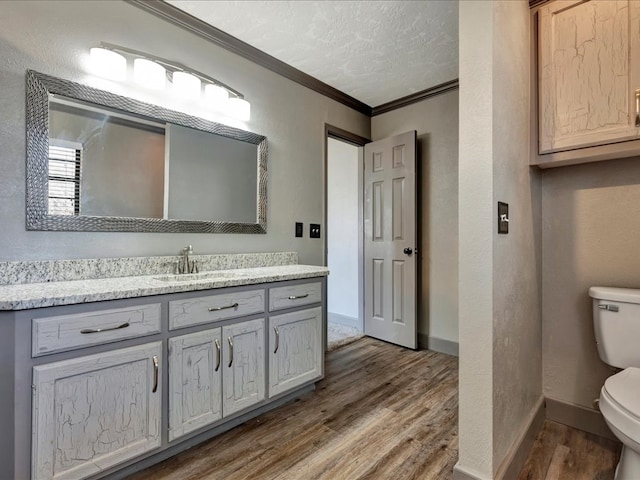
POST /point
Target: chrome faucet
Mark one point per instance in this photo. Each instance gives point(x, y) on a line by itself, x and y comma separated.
point(185, 265)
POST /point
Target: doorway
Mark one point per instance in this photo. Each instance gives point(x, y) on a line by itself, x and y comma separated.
point(344, 237)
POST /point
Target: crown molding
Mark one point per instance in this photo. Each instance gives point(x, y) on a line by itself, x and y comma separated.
point(416, 97)
point(182, 19)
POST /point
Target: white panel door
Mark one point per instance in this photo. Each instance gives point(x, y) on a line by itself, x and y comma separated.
point(94, 412)
point(390, 239)
point(195, 381)
point(243, 357)
point(295, 349)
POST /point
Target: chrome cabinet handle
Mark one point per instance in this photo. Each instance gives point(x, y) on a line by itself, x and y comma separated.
point(230, 351)
point(217, 309)
point(638, 107)
point(295, 297)
point(217, 354)
point(98, 330)
point(275, 329)
point(155, 374)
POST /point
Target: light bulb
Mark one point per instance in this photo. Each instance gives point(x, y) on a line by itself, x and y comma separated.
point(149, 74)
point(186, 84)
point(239, 108)
point(216, 96)
point(108, 64)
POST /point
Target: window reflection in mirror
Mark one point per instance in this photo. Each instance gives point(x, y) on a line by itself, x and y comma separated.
point(122, 163)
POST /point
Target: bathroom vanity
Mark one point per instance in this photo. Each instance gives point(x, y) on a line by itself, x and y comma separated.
point(108, 375)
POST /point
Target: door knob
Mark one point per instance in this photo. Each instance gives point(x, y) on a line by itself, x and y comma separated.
point(408, 251)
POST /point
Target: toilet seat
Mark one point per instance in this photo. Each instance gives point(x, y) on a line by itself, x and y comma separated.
point(620, 403)
point(624, 389)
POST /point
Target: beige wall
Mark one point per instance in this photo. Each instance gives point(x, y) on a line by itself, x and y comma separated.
point(517, 355)
point(436, 121)
point(54, 37)
point(475, 226)
point(500, 335)
point(591, 236)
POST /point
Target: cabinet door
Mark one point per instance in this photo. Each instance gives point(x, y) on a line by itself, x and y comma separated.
point(588, 71)
point(244, 365)
point(295, 349)
point(195, 381)
point(93, 412)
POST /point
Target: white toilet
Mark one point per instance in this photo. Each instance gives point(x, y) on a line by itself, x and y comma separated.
point(616, 318)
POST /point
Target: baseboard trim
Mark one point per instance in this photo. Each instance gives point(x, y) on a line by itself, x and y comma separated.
point(464, 473)
point(577, 416)
point(437, 344)
point(517, 455)
point(345, 320)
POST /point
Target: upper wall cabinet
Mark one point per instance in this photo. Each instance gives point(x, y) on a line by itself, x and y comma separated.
point(588, 78)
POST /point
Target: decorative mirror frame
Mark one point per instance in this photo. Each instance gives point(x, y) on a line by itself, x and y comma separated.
point(40, 85)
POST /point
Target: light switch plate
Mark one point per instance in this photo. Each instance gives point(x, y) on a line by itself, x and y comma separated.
point(314, 230)
point(299, 229)
point(503, 217)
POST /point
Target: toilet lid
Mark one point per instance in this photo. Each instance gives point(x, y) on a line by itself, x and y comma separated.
point(624, 388)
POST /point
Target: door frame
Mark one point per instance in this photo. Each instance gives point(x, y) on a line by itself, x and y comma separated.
point(337, 133)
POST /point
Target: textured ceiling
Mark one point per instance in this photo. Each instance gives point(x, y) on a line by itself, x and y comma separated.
point(375, 51)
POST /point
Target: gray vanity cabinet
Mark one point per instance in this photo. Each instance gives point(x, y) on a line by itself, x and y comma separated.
point(296, 338)
point(213, 374)
point(96, 411)
point(295, 349)
point(243, 377)
point(102, 401)
point(195, 381)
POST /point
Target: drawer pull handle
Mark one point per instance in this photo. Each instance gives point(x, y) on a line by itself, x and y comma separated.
point(638, 108)
point(98, 330)
point(155, 374)
point(277, 339)
point(217, 354)
point(217, 309)
point(296, 297)
point(230, 351)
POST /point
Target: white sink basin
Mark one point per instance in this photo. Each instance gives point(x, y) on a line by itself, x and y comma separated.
point(194, 277)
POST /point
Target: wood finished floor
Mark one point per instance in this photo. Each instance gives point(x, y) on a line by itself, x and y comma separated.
point(563, 453)
point(382, 412)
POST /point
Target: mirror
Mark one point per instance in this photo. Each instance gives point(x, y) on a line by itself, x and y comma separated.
point(97, 161)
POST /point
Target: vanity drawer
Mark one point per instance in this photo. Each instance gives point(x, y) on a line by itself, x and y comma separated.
point(212, 308)
point(294, 295)
point(69, 332)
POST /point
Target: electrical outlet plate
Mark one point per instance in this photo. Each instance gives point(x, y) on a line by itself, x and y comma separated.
point(314, 230)
point(503, 217)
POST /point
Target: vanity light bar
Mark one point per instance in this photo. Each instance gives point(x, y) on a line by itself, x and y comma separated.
point(108, 64)
point(110, 61)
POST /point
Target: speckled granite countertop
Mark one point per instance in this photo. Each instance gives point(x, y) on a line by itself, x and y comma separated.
point(37, 295)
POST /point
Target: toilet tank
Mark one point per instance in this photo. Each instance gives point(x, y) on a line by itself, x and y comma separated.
point(616, 320)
